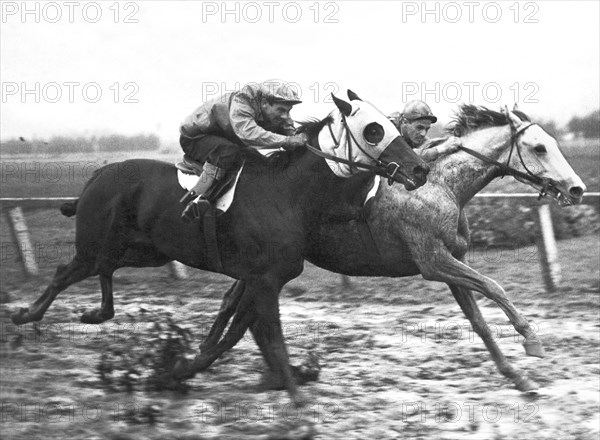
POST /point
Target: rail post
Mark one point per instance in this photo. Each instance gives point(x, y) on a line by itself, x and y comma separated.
point(548, 251)
point(20, 233)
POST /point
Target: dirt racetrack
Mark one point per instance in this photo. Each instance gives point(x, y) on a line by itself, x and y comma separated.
point(398, 357)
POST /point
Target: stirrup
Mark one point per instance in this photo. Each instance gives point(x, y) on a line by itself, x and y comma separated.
point(188, 197)
point(196, 209)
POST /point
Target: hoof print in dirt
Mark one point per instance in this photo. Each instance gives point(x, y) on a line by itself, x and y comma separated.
point(147, 415)
point(304, 431)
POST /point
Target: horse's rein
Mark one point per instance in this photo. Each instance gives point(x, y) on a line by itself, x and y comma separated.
point(508, 170)
point(380, 168)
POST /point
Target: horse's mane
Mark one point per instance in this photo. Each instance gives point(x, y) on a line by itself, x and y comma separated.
point(313, 126)
point(470, 117)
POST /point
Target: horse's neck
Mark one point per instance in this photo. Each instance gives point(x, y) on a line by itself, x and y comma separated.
point(318, 189)
point(465, 175)
point(314, 176)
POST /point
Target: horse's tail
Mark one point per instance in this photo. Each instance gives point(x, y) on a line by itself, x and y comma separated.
point(69, 209)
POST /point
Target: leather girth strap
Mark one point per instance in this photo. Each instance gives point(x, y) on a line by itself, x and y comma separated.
point(210, 237)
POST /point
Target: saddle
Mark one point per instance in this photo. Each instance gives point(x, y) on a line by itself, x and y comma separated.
point(221, 194)
point(189, 165)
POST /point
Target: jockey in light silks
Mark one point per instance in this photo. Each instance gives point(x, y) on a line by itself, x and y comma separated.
point(413, 124)
point(256, 116)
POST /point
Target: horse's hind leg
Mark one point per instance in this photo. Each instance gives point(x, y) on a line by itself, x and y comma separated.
point(114, 244)
point(106, 310)
point(469, 306)
point(231, 299)
point(73, 272)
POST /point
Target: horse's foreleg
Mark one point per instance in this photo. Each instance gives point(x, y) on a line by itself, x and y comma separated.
point(231, 299)
point(444, 267)
point(72, 273)
point(471, 310)
point(238, 327)
point(271, 378)
point(270, 336)
point(240, 323)
point(106, 310)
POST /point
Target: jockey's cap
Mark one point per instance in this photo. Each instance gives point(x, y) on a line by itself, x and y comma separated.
point(417, 109)
point(280, 90)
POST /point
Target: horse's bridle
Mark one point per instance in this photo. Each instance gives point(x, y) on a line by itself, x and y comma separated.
point(506, 169)
point(388, 170)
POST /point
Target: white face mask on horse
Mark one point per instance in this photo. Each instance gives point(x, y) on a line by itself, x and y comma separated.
point(360, 133)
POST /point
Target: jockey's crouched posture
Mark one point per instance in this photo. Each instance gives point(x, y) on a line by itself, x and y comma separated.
point(257, 116)
point(413, 124)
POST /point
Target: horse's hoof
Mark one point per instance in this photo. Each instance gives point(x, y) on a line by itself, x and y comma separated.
point(298, 400)
point(182, 369)
point(205, 346)
point(523, 384)
point(94, 317)
point(271, 381)
point(303, 374)
point(534, 348)
point(22, 317)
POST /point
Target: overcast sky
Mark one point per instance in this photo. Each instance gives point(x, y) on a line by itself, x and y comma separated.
point(85, 68)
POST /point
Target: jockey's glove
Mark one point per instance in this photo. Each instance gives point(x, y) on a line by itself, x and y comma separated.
point(293, 142)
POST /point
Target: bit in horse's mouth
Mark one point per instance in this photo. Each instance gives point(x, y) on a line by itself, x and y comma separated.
point(411, 182)
point(556, 194)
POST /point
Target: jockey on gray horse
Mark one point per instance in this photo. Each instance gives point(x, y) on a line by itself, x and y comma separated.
point(413, 124)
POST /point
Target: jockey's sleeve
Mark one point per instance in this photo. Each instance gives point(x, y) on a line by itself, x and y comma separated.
point(430, 154)
point(441, 146)
point(243, 121)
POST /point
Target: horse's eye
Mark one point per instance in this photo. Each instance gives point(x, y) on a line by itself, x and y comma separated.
point(540, 149)
point(373, 133)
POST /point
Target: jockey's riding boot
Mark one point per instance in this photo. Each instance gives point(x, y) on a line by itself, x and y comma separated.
point(196, 209)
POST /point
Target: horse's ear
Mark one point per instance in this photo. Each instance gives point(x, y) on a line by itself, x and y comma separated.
point(353, 96)
point(343, 106)
point(514, 119)
point(515, 107)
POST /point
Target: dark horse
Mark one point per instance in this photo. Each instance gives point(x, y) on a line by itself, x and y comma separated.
point(133, 218)
point(426, 231)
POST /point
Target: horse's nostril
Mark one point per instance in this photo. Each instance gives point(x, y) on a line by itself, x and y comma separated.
point(421, 171)
point(576, 191)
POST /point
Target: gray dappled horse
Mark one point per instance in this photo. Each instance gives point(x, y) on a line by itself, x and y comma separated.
point(128, 214)
point(426, 231)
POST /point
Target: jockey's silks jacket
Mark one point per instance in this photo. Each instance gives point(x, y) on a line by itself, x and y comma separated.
point(237, 117)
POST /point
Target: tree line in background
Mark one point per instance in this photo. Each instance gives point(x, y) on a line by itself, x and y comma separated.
point(65, 144)
point(580, 127)
point(588, 126)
